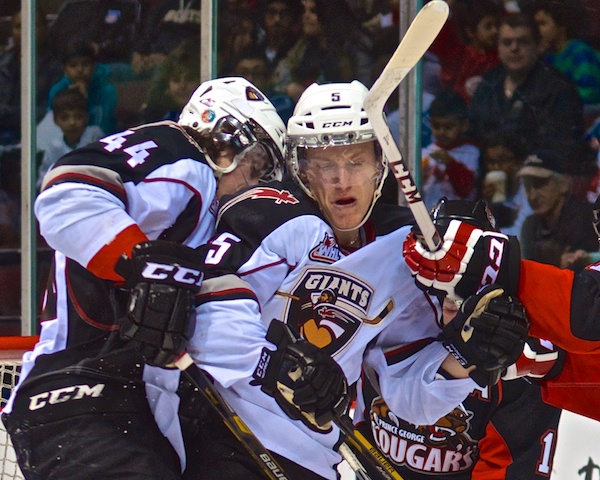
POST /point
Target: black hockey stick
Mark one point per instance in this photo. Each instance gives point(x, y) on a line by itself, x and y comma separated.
point(373, 463)
point(199, 379)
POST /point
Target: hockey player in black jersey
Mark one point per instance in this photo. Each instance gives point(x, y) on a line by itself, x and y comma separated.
point(502, 431)
point(317, 258)
point(124, 215)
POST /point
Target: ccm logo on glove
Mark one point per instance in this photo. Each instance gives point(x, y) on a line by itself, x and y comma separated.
point(495, 253)
point(179, 274)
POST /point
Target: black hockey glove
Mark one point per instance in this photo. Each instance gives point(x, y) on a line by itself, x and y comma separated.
point(164, 278)
point(307, 383)
point(489, 331)
point(472, 253)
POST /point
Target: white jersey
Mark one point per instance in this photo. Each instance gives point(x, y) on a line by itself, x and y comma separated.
point(154, 177)
point(274, 257)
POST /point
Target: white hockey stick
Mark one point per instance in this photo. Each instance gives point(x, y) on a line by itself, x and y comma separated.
point(420, 35)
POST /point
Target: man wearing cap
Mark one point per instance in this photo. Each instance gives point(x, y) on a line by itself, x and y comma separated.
point(560, 223)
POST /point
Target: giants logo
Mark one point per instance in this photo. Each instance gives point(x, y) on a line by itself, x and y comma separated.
point(61, 395)
point(178, 273)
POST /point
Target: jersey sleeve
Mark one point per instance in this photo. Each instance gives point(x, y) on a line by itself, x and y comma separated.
point(409, 381)
point(562, 306)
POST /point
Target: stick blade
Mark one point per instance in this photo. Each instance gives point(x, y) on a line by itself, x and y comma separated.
point(420, 35)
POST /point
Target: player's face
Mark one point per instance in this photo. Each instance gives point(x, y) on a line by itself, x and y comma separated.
point(251, 165)
point(343, 180)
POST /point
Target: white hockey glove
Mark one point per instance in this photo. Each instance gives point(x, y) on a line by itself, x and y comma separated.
point(472, 253)
point(488, 331)
point(164, 278)
point(306, 382)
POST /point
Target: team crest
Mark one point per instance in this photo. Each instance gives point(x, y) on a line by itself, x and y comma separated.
point(327, 307)
point(443, 448)
point(327, 251)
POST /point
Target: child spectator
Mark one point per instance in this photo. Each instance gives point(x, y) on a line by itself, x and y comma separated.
point(501, 157)
point(467, 44)
point(578, 60)
point(172, 85)
point(70, 113)
point(82, 72)
point(451, 162)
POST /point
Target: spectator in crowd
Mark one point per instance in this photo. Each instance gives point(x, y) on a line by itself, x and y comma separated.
point(451, 162)
point(502, 155)
point(560, 223)
point(70, 113)
point(278, 20)
point(238, 33)
point(558, 24)
point(81, 71)
point(172, 85)
point(253, 66)
point(48, 72)
point(332, 48)
point(165, 24)
point(467, 46)
point(525, 96)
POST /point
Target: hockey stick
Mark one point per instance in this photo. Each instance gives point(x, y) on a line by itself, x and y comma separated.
point(365, 453)
point(420, 35)
point(236, 425)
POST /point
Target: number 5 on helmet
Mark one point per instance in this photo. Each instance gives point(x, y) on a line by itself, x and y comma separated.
point(472, 253)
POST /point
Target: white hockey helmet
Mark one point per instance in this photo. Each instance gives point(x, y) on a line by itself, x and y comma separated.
point(233, 111)
point(330, 115)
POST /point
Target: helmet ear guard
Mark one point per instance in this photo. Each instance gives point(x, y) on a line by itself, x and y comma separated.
point(330, 115)
point(232, 112)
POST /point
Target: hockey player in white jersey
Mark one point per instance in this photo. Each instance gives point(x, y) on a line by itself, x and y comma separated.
point(318, 258)
point(124, 214)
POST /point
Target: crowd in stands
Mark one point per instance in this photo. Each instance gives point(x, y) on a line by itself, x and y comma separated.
point(504, 84)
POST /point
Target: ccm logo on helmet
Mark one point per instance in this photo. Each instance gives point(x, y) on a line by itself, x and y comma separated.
point(61, 395)
point(340, 123)
point(160, 271)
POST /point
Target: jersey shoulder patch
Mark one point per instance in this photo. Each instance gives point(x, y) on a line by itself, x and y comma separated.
point(254, 213)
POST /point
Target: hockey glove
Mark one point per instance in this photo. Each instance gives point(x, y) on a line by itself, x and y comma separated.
point(472, 253)
point(489, 331)
point(539, 359)
point(164, 278)
point(305, 382)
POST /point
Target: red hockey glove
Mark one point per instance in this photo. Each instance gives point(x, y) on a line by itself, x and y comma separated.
point(164, 278)
point(307, 383)
point(488, 331)
point(472, 253)
point(539, 359)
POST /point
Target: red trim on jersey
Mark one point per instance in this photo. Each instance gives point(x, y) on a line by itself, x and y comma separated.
point(494, 456)
point(262, 267)
point(576, 388)
point(103, 263)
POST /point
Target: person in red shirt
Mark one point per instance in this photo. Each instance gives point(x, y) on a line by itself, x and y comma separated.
point(467, 45)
